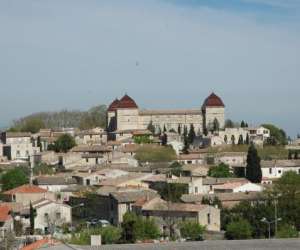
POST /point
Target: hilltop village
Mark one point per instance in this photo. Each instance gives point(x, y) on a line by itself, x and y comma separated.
point(150, 175)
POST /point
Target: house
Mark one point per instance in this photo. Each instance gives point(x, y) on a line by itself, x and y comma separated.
point(6, 220)
point(54, 183)
point(122, 202)
point(228, 200)
point(91, 136)
point(164, 213)
point(49, 215)
point(26, 194)
point(195, 170)
point(259, 135)
point(18, 145)
point(192, 158)
point(236, 187)
point(233, 159)
point(274, 169)
point(94, 154)
point(209, 183)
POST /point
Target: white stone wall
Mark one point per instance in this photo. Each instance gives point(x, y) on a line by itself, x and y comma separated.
point(127, 119)
point(21, 148)
point(249, 187)
point(277, 172)
point(213, 113)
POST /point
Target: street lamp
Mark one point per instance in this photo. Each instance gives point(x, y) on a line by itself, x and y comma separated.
point(76, 206)
point(264, 220)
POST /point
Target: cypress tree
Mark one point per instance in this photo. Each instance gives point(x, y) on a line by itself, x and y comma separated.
point(165, 129)
point(164, 139)
point(31, 218)
point(185, 132)
point(225, 139)
point(290, 156)
point(241, 140)
point(192, 134)
point(216, 125)
point(296, 155)
point(179, 129)
point(253, 169)
point(151, 127)
point(247, 139)
point(233, 140)
point(243, 125)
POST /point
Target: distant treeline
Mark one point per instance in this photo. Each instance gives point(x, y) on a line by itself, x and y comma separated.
point(94, 117)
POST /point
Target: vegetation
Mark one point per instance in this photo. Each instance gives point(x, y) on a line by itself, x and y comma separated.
point(95, 117)
point(287, 231)
point(32, 214)
point(172, 191)
point(151, 127)
point(253, 168)
point(14, 178)
point(142, 139)
point(137, 228)
point(176, 168)
point(278, 136)
point(152, 153)
point(110, 235)
point(191, 134)
point(43, 169)
point(220, 171)
point(63, 144)
point(191, 230)
point(238, 230)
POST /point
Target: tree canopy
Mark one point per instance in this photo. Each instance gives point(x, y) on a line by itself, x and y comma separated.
point(239, 230)
point(191, 230)
point(253, 168)
point(220, 171)
point(150, 153)
point(64, 143)
point(13, 178)
point(278, 135)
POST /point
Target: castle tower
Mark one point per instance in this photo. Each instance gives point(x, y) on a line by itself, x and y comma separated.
point(213, 109)
point(111, 116)
point(127, 114)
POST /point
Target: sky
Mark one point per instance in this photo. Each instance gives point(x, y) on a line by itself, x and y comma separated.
point(75, 54)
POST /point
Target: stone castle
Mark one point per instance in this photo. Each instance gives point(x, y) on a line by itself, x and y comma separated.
point(124, 115)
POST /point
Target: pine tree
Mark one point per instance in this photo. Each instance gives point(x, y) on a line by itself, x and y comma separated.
point(192, 134)
point(179, 129)
point(253, 169)
point(241, 140)
point(247, 139)
point(165, 129)
point(243, 125)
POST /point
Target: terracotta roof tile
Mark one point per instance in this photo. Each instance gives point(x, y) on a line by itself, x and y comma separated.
point(4, 213)
point(213, 101)
point(26, 189)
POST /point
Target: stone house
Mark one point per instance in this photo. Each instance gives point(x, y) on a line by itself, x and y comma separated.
point(54, 183)
point(6, 220)
point(166, 213)
point(92, 136)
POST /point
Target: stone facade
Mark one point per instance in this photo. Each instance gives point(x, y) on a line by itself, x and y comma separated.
point(124, 115)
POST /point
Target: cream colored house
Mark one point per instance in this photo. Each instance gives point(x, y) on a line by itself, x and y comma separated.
point(124, 115)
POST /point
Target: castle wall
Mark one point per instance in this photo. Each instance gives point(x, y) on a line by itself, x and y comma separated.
point(213, 113)
point(127, 119)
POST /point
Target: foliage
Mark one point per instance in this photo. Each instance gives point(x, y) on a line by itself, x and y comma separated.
point(164, 139)
point(176, 168)
point(13, 178)
point(191, 230)
point(220, 171)
point(142, 139)
point(137, 228)
point(229, 124)
point(153, 153)
point(95, 117)
point(172, 191)
point(18, 227)
point(287, 231)
point(31, 124)
point(233, 140)
point(110, 235)
point(191, 134)
point(278, 136)
point(213, 202)
point(238, 230)
point(32, 215)
point(241, 140)
point(253, 168)
point(43, 169)
point(151, 127)
point(64, 143)
point(216, 125)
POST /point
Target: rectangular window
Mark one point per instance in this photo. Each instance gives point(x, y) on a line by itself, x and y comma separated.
point(270, 170)
point(208, 219)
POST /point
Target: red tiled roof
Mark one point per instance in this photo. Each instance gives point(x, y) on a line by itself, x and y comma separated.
point(26, 189)
point(4, 213)
point(213, 101)
point(113, 106)
point(127, 102)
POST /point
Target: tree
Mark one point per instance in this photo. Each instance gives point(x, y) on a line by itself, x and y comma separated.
point(176, 168)
point(94, 117)
point(32, 214)
point(225, 139)
point(216, 125)
point(287, 231)
point(238, 230)
point(290, 156)
point(110, 235)
point(64, 143)
point(296, 155)
point(241, 140)
point(43, 169)
point(243, 124)
point(191, 230)
point(172, 191)
point(212, 202)
point(253, 168)
point(185, 131)
point(220, 171)
point(151, 127)
point(165, 129)
point(186, 145)
point(233, 140)
point(247, 141)
point(179, 129)
point(229, 124)
point(164, 139)
point(14, 178)
point(278, 136)
point(137, 228)
point(150, 153)
point(192, 134)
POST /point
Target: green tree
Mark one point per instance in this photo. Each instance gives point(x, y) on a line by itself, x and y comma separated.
point(243, 124)
point(296, 155)
point(229, 124)
point(225, 139)
point(64, 143)
point(239, 230)
point(110, 235)
point(164, 139)
point(216, 125)
point(287, 231)
point(179, 129)
point(32, 214)
point(43, 169)
point(253, 168)
point(241, 140)
point(290, 156)
point(14, 178)
point(151, 127)
point(233, 140)
point(165, 129)
point(172, 191)
point(247, 141)
point(94, 117)
point(185, 131)
point(220, 171)
point(150, 153)
point(176, 168)
point(191, 134)
point(278, 136)
point(191, 230)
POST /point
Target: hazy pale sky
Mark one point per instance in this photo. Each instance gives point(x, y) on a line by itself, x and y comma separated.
point(57, 54)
